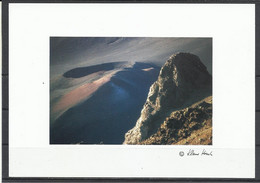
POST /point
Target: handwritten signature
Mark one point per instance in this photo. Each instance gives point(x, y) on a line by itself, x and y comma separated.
point(192, 152)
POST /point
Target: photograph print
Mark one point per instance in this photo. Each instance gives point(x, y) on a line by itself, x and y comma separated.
point(131, 90)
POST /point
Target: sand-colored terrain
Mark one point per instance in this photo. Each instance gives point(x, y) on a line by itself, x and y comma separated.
point(79, 94)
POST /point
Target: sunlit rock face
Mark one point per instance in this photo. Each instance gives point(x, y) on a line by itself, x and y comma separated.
point(182, 80)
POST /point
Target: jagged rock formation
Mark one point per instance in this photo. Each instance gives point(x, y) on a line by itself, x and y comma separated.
point(192, 125)
point(183, 80)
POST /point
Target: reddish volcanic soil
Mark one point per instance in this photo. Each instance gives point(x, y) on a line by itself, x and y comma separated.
point(84, 91)
point(90, 109)
point(75, 96)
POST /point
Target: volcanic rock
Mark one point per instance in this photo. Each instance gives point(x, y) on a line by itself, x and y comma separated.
point(183, 80)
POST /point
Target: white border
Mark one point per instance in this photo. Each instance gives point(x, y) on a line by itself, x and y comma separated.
point(233, 32)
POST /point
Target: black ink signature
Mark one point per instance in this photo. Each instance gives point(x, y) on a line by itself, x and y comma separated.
point(204, 152)
point(192, 152)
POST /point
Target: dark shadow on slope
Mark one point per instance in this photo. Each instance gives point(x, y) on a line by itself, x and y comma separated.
point(84, 71)
point(109, 113)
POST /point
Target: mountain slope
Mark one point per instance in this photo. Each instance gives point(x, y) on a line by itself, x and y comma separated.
point(183, 81)
point(101, 112)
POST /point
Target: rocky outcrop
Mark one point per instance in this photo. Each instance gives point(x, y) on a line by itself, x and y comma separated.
point(183, 80)
point(192, 125)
